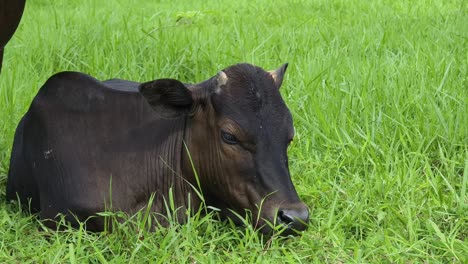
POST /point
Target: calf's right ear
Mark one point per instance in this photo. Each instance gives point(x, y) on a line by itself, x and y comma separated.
point(168, 97)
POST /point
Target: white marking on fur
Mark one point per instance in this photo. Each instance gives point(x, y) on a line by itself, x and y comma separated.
point(47, 153)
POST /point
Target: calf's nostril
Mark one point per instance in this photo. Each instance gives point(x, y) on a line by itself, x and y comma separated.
point(295, 218)
point(284, 217)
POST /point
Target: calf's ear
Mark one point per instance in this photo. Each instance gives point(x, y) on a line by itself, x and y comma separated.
point(168, 97)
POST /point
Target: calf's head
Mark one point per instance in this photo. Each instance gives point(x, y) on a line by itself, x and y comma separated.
point(238, 132)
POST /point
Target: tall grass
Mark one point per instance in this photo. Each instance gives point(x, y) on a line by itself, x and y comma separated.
point(378, 92)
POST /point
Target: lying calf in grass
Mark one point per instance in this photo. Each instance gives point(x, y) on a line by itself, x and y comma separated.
point(85, 144)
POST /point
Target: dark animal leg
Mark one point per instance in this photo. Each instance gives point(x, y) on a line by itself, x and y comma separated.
point(1, 59)
point(11, 12)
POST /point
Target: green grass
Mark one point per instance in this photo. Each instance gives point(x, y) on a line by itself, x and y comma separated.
point(378, 91)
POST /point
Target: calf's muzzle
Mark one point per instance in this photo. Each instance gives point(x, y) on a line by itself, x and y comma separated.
point(293, 217)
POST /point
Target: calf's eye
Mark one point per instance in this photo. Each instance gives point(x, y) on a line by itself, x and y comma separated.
point(229, 138)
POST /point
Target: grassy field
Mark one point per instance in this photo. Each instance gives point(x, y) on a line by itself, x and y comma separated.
point(378, 91)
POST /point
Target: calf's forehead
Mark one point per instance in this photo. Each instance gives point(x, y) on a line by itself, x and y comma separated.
point(249, 96)
point(256, 117)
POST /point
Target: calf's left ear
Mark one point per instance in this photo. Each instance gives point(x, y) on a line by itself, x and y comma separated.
point(168, 96)
point(278, 74)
